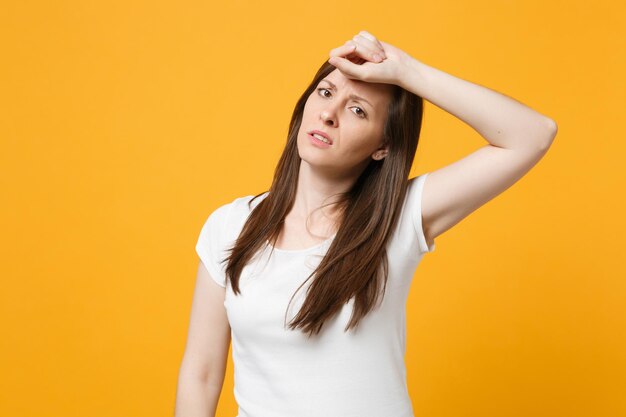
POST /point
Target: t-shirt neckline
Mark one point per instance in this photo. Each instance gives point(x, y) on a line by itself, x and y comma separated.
point(305, 250)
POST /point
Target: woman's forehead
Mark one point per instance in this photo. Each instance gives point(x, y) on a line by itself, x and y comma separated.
point(375, 91)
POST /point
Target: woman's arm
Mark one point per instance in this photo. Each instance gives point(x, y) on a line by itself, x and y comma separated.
point(195, 397)
point(203, 368)
point(518, 136)
point(501, 120)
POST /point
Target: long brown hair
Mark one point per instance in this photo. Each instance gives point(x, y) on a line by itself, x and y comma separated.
point(370, 211)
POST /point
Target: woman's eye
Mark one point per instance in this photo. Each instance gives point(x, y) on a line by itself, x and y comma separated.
point(325, 89)
point(361, 113)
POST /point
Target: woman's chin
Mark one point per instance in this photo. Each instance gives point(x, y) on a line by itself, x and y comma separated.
point(316, 162)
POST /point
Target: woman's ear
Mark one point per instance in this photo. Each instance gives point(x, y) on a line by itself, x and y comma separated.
point(380, 153)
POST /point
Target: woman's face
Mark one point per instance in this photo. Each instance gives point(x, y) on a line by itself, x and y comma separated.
point(352, 114)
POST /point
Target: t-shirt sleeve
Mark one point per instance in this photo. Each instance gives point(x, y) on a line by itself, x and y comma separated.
point(414, 205)
point(210, 244)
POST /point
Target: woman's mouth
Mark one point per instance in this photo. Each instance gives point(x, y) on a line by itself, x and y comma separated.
point(319, 140)
point(322, 138)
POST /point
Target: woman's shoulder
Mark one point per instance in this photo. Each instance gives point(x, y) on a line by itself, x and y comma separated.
point(238, 209)
point(248, 202)
point(228, 218)
point(413, 182)
point(238, 206)
point(414, 189)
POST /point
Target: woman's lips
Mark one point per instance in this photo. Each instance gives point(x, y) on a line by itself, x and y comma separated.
point(322, 134)
point(318, 142)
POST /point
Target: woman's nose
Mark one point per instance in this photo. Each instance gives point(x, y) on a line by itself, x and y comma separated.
point(328, 117)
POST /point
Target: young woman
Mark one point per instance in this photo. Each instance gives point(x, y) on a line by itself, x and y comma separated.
point(310, 278)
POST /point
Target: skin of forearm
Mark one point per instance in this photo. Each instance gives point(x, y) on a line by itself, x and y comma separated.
point(196, 397)
point(501, 120)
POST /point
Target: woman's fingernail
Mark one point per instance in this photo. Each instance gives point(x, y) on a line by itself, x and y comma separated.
point(378, 57)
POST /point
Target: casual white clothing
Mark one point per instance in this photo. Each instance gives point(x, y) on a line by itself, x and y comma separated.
point(281, 373)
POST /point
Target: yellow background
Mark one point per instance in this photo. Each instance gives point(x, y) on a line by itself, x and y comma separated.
point(124, 124)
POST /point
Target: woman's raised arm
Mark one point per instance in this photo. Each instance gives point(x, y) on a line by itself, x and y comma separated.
point(518, 138)
point(517, 135)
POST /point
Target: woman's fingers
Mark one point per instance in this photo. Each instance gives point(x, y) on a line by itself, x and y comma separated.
point(343, 50)
point(348, 51)
point(364, 49)
point(356, 49)
point(370, 42)
point(372, 38)
point(361, 48)
point(368, 35)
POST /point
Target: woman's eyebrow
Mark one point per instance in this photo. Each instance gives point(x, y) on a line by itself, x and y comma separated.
point(352, 96)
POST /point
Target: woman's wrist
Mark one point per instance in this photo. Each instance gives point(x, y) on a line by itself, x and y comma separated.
point(411, 76)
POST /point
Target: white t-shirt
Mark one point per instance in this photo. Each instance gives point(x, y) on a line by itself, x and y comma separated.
point(281, 373)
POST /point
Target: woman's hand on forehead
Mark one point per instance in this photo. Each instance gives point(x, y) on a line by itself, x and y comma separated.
point(365, 58)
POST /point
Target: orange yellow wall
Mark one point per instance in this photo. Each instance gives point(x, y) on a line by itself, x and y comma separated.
point(123, 124)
